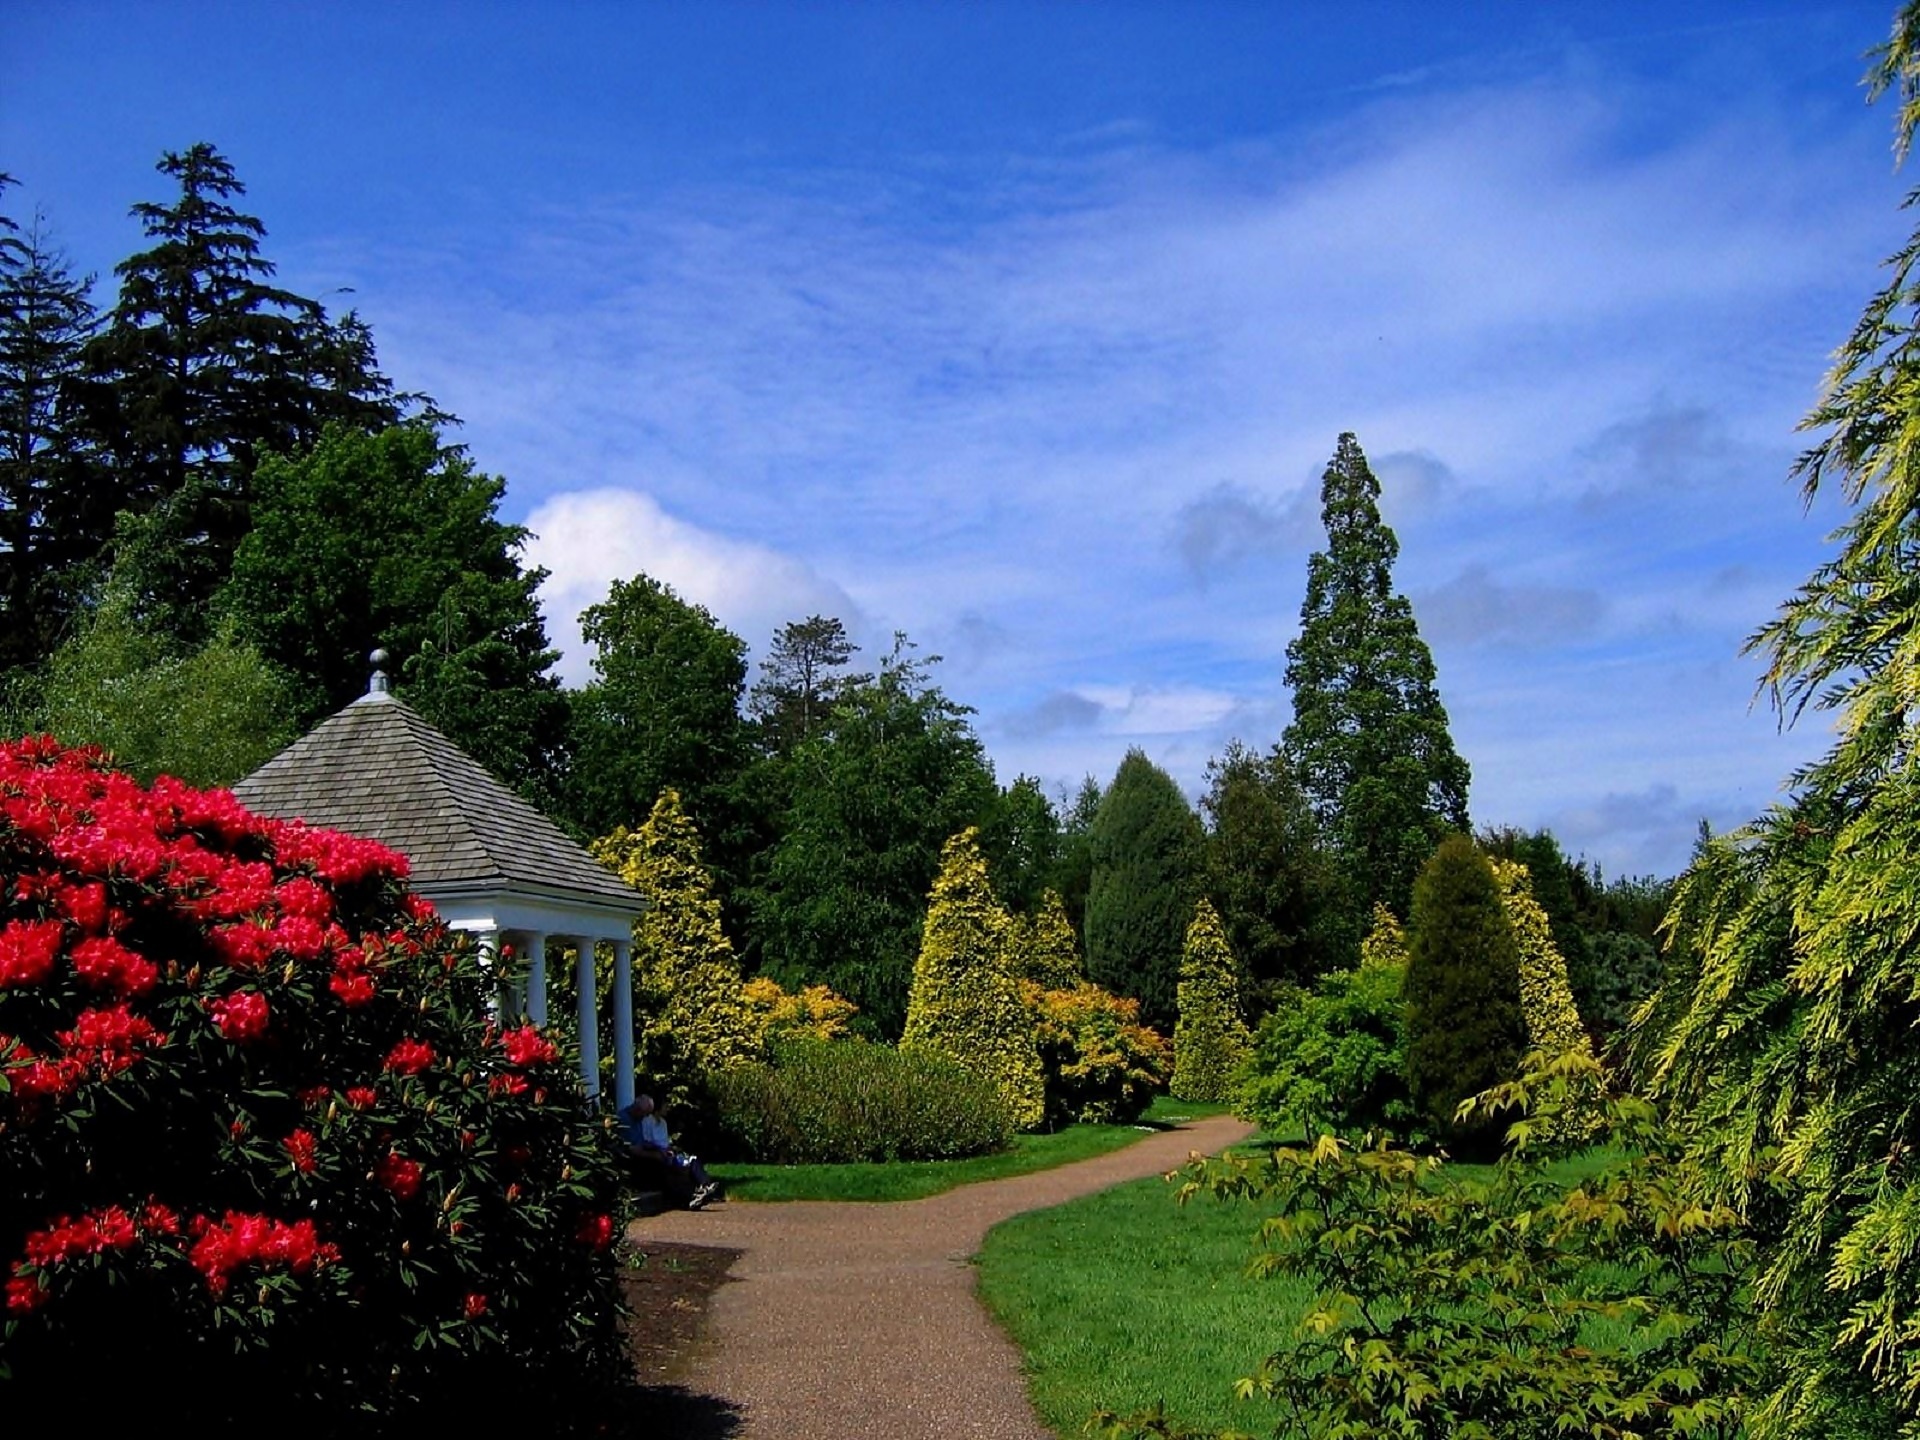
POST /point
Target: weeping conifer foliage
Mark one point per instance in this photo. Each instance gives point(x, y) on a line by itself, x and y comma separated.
point(1786, 1026)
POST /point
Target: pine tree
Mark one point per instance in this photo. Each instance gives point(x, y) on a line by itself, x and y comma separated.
point(1210, 1039)
point(204, 368)
point(964, 1002)
point(1146, 850)
point(692, 1019)
point(56, 508)
point(1465, 1029)
point(1369, 739)
point(803, 675)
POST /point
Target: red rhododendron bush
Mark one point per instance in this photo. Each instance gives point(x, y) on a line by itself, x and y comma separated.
point(258, 1134)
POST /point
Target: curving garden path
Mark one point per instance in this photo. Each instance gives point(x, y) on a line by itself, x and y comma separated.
point(843, 1321)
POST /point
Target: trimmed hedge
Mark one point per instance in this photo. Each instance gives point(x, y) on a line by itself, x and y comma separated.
point(844, 1101)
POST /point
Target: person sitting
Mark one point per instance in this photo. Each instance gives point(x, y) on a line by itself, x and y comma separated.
point(657, 1159)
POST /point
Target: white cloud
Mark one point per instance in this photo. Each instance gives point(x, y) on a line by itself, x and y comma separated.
point(587, 539)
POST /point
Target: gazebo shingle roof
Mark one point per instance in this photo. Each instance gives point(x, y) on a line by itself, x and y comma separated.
point(378, 770)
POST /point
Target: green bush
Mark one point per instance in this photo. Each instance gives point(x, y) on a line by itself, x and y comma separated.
point(1333, 1059)
point(262, 1141)
point(845, 1101)
point(1210, 1041)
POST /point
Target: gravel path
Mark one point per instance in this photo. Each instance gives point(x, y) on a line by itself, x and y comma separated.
point(847, 1321)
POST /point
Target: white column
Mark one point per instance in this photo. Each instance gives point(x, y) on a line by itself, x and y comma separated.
point(537, 979)
point(589, 1021)
point(489, 946)
point(623, 1023)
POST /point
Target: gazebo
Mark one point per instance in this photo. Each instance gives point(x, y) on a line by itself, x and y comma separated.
point(490, 863)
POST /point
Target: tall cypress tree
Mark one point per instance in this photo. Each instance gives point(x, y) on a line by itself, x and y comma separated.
point(1369, 739)
point(1465, 1026)
point(55, 514)
point(1147, 856)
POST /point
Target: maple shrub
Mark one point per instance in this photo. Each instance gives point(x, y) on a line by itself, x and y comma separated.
point(266, 1151)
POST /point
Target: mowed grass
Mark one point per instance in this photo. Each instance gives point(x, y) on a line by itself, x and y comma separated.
point(917, 1179)
point(1127, 1299)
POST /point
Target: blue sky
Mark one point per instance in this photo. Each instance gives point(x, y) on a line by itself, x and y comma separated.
point(1028, 329)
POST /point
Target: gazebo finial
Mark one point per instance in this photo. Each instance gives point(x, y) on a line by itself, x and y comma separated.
point(377, 685)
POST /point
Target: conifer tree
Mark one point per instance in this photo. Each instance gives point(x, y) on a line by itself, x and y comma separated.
point(1041, 947)
point(1784, 1026)
point(1546, 995)
point(1465, 1029)
point(56, 508)
point(1147, 854)
point(1369, 739)
point(801, 678)
point(691, 1018)
point(1210, 1039)
point(964, 1002)
point(1386, 942)
point(205, 366)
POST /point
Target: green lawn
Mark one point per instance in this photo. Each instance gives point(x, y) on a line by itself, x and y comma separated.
point(1126, 1299)
point(917, 1179)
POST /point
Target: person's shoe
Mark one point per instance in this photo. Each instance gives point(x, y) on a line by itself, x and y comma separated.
point(702, 1195)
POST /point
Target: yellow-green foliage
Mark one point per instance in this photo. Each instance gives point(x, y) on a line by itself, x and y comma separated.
point(965, 1003)
point(690, 1018)
point(1041, 947)
point(1102, 1065)
point(814, 1013)
point(1210, 1040)
point(1386, 943)
point(1546, 996)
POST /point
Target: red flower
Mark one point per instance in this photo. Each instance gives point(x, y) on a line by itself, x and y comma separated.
point(595, 1232)
point(109, 1041)
point(84, 905)
point(27, 951)
point(351, 984)
point(476, 1305)
point(300, 1150)
point(399, 1174)
point(362, 1097)
point(25, 1294)
point(311, 1095)
point(242, 1016)
point(257, 1240)
point(527, 1046)
point(409, 1057)
point(302, 897)
point(106, 964)
point(507, 1085)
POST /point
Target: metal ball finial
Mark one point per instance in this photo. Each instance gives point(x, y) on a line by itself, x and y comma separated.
point(378, 684)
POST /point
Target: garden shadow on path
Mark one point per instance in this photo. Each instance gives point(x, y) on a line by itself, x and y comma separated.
point(841, 1320)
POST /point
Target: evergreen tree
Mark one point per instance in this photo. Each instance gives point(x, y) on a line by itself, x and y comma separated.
point(1546, 997)
point(56, 509)
point(871, 799)
point(1073, 869)
point(693, 1021)
point(662, 712)
point(1146, 849)
point(1368, 740)
point(1465, 1029)
point(801, 679)
point(394, 540)
point(964, 1002)
point(1021, 839)
point(1041, 947)
point(204, 368)
point(1265, 872)
point(1210, 1040)
point(1784, 1029)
